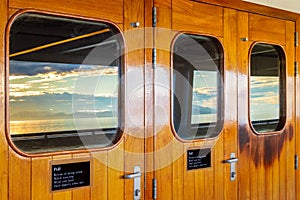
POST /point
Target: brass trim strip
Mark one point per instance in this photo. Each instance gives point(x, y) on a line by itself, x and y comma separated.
point(58, 43)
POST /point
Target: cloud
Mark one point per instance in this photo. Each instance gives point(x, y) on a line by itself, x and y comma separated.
point(263, 82)
point(211, 91)
point(272, 99)
point(24, 94)
point(12, 77)
point(264, 92)
point(59, 78)
point(21, 67)
point(19, 87)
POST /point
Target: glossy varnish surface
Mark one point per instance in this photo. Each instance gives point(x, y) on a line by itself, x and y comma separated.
point(265, 169)
point(4, 164)
point(266, 161)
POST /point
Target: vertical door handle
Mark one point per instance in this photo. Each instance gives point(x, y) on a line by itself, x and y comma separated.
point(232, 162)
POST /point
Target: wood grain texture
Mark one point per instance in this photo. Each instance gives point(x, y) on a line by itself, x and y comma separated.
point(253, 8)
point(163, 142)
point(178, 173)
point(19, 177)
point(262, 28)
point(247, 187)
point(62, 195)
point(199, 185)
point(221, 175)
point(230, 136)
point(260, 176)
point(41, 179)
point(115, 182)
point(276, 180)
point(84, 192)
point(135, 111)
point(283, 173)
point(197, 18)
point(110, 10)
point(4, 161)
point(297, 125)
point(190, 180)
point(271, 169)
point(99, 184)
point(148, 92)
point(290, 51)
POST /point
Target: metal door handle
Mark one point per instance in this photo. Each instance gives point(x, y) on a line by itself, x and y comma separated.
point(231, 160)
point(134, 175)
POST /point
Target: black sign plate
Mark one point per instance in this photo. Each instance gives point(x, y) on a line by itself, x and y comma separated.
point(198, 158)
point(70, 175)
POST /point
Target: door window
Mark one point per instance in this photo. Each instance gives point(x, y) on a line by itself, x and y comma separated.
point(267, 88)
point(197, 87)
point(63, 83)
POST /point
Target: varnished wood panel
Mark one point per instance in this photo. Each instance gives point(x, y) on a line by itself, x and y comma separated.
point(149, 139)
point(253, 8)
point(115, 181)
point(4, 162)
point(162, 163)
point(297, 106)
point(148, 77)
point(262, 28)
point(283, 173)
point(178, 173)
point(99, 184)
point(221, 175)
point(163, 145)
point(229, 136)
point(110, 10)
point(197, 18)
point(41, 179)
point(199, 188)
point(190, 181)
point(164, 139)
point(290, 51)
point(256, 181)
point(275, 178)
point(205, 183)
point(66, 194)
point(84, 192)
point(134, 111)
point(248, 188)
point(19, 177)
point(209, 176)
point(269, 157)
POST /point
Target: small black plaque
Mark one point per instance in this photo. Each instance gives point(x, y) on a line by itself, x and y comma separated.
point(70, 175)
point(198, 158)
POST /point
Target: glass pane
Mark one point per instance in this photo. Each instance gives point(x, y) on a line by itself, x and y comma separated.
point(43, 101)
point(204, 100)
point(63, 83)
point(266, 87)
point(197, 86)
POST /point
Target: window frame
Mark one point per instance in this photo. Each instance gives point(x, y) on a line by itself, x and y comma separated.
point(119, 131)
point(219, 125)
point(282, 85)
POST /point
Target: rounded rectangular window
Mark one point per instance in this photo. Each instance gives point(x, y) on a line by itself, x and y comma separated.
point(63, 83)
point(267, 88)
point(197, 87)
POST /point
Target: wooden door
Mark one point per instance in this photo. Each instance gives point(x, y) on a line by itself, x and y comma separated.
point(297, 117)
point(28, 176)
point(266, 96)
point(177, 173)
